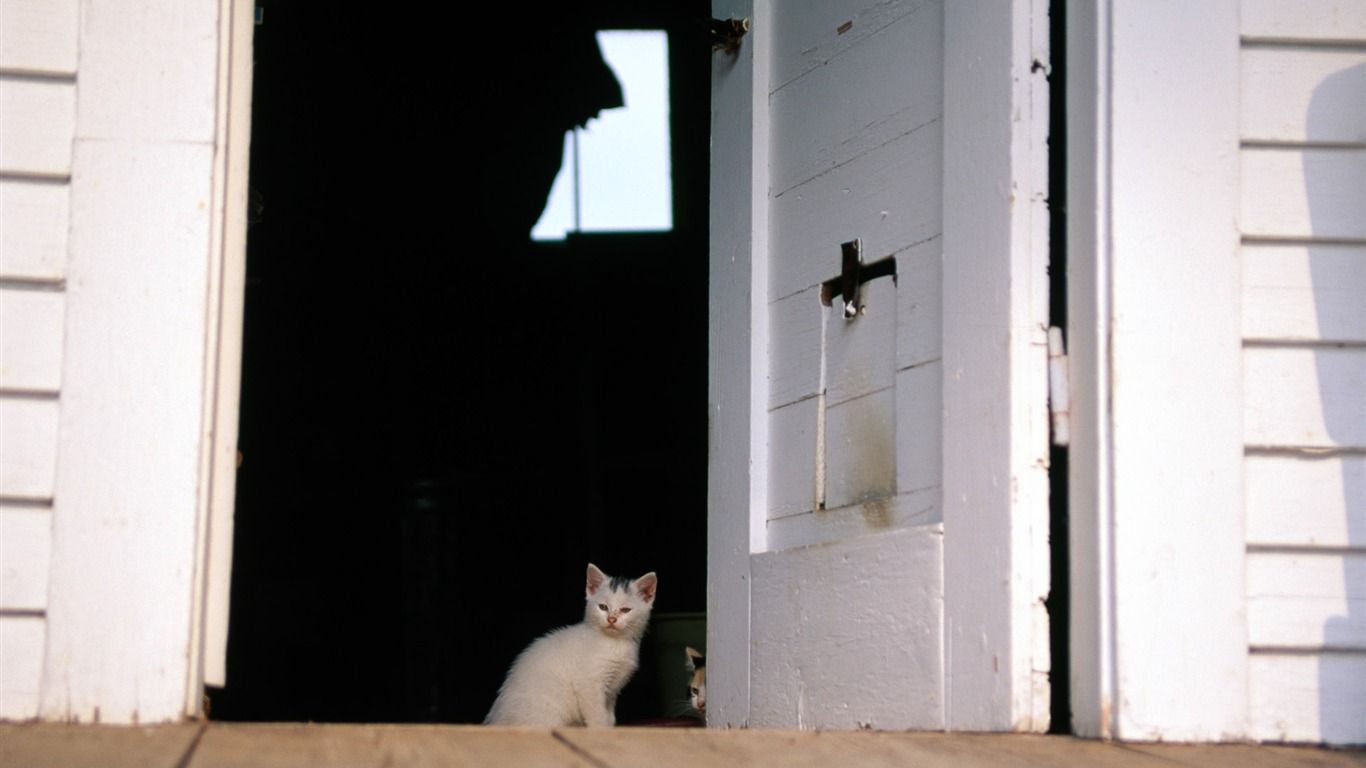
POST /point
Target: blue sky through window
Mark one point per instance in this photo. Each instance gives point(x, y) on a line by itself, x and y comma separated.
point(624, 173)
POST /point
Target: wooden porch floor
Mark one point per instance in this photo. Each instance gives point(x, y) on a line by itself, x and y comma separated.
point(221, 745)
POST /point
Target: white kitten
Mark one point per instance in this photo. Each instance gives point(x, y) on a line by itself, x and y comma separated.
point(572, 676)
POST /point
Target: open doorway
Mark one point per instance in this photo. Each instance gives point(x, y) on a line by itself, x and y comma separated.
point(442, 422)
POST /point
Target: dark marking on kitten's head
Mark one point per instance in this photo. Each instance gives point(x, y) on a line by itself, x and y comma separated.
point(619, 584)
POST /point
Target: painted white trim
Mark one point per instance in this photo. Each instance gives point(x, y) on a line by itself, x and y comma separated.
point(1091, 614)
point(995, 372)
point(738, 333)
point(140, 361)
point(1157, 522)
point(223, 363)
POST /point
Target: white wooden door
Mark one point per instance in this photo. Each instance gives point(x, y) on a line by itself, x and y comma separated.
point(878, 503)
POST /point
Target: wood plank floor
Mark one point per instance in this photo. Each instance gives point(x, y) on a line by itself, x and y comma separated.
point(220, 745)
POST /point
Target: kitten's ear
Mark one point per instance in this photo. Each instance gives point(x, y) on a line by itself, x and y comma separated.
point(595, 579)
point(694, 658)
point(645, 586)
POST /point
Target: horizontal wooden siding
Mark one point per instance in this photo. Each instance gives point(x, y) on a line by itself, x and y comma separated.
point(1303, 219)
point(38, 41)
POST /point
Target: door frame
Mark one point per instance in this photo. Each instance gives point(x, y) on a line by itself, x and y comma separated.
point(1155, 357)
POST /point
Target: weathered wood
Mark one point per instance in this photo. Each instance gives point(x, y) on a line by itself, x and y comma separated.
point(38, 36)
point(826, 110)
point(1303, 94)
point(75, 746)
point(920, 308)
point(919, 428)
point(792, 482)
point(860, 354)
point(1307, 698)
point(914, 508)
point(888, 197)
point(846, 634)
point(795, 354)
point(1315, 193)
point(28, 447)
point(1304, 293)
point(371, 746)
point(33, 226)
point(826, 37)
point(36, 119)
point(456, 746)
point(1304, 500)
point(861, 449)
point(1307, 600)
point(1305, 396)
point(31, 347)
point(21, 664)
point(25, 545)
point(1304, 20)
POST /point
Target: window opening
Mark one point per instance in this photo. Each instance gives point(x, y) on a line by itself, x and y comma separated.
point(616, 174)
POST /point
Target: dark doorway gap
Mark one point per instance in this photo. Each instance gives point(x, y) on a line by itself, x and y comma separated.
point(441, 421)
point(1059, 612)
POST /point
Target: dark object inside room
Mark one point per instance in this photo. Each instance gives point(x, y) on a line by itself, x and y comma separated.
point(442, 422)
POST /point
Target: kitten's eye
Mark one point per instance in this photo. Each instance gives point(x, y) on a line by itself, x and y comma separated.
point(602, 606)
point(625, 610)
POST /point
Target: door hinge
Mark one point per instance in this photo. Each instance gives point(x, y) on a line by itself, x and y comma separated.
point(1059, 393)
point(726, 33)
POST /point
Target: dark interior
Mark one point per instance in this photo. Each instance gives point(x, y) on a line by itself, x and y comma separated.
point(442, 422)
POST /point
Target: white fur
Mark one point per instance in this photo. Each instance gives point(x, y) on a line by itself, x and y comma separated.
point(572, 675)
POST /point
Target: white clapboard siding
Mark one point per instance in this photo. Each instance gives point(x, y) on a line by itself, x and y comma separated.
point(1307, 600)
point(855, 194)
point(28, 447)
point(38, 55)
point(1304, 20)
point(37, 119)
point(920, 336)
point(33, 225)
point(792, 483)
point(38, 36)
point(863, 682)
point(31, 342)
point(1305, 397)
point(917, 508)
point(1303, 216)
point(1317, 192)
point(1304, 94)
point(795, 356)
point(1304, 292)
point(823, 28)
point(1306, 500)
point(21, 665)
point(1307, 697)
point(25, 548)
